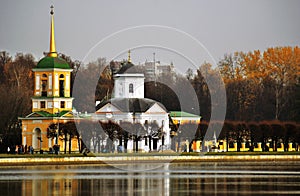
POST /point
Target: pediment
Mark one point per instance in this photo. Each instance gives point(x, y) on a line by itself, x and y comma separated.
point(68, 114)
point(34, 114)
point(156, 109)
point(108, 108)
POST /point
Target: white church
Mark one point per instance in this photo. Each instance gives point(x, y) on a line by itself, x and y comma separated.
point(129, 105)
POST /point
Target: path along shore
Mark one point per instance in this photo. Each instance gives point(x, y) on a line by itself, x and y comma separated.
point(141, 159)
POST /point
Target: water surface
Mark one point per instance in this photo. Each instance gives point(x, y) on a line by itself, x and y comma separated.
point(217, 178)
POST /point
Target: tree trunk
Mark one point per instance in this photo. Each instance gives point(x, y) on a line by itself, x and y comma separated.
point(65, 149)
point(70, 145)
point(227, 141)
point(79, 145)
point(275, 144)
point(125, 143)
point(136, 144)
point(150, 138)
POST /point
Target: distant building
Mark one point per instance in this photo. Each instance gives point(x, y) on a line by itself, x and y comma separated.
point(153, 70)
point(149, 69)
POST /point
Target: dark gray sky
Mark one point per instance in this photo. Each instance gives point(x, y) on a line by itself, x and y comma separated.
point(220, 26)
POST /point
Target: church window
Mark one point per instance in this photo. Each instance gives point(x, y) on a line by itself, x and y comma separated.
point(61, 85)
point(44, 85)
point(130, 88)
point(62, 104)
point(43, 104)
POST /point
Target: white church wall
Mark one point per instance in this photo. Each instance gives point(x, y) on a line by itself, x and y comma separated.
point(122, 86)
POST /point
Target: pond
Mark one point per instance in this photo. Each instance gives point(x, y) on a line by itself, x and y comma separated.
point(204, 178)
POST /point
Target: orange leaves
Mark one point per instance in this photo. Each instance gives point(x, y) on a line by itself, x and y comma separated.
point(283, 64)
point(280, 63)
point(253, 75)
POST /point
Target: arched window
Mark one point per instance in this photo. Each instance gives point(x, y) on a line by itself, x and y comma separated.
point(44, 85)
point(36, 137)
point(130, 88)
point(61, 85)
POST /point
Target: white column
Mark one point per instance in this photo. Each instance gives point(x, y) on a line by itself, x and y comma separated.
point(56, 82)
point(37, 82)
point(50, 81)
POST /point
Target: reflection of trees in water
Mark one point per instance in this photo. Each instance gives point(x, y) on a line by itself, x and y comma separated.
point(169, 179)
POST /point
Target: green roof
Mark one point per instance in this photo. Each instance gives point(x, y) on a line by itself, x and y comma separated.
point(47, 114)
point(43, 113)
point(52, 62)
point(182, 114)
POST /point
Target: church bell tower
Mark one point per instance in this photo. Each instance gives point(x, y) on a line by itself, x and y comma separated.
point(52, 81)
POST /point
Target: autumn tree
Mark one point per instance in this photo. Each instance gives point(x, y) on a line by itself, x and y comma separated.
point(5, 58)
point(201, 88)
point(262, 84)
point(86, 89)
point(16, 90)
point(282, 65)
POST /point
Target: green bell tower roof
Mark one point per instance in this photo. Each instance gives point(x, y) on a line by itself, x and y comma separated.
point(52, 62)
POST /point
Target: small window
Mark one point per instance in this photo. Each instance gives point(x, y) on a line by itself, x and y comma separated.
point(61, 76)
point(43, 104)
point(44, 88)
point(130, 88)
point(62, 104)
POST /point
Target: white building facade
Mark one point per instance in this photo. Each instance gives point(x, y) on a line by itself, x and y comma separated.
point(129, 85)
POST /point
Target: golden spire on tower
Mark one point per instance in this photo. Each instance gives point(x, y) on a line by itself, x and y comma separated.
point(52, 52)
point(129, 59)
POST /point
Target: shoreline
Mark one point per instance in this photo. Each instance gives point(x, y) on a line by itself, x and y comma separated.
point(27, 161)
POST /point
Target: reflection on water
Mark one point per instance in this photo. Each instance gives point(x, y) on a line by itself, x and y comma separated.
point(170, 179)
